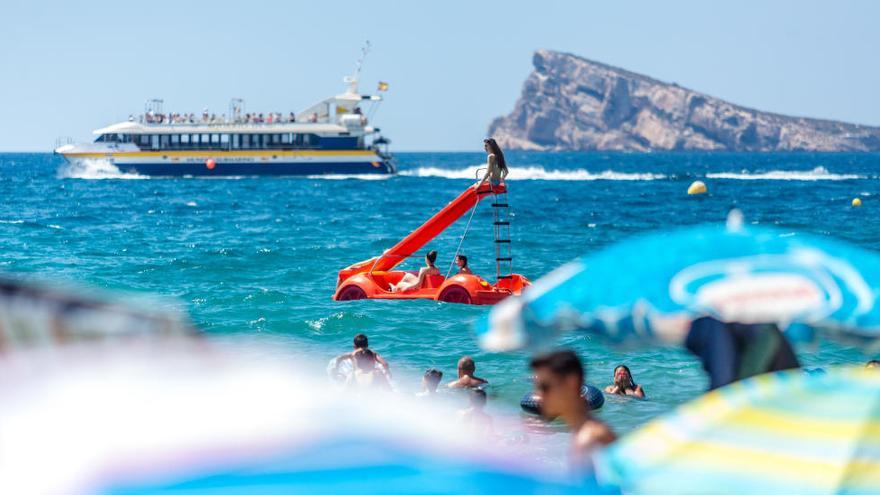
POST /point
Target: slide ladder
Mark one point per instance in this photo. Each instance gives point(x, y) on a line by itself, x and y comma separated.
point(501, 224)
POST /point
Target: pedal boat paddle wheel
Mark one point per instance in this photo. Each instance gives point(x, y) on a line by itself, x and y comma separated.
point(372, 279)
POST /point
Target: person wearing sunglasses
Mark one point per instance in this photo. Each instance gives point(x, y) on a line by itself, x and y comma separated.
point(559, 377)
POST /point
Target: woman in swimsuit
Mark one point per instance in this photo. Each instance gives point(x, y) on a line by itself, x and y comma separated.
point(410, 281)
point(496, 166)
point(624, 384)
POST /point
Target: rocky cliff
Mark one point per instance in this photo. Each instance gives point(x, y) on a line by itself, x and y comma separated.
point(571, 103)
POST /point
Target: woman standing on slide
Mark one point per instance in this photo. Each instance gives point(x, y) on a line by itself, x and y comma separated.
point(496, 166)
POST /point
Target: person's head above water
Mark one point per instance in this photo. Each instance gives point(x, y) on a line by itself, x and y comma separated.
point(492, 147)
point(559, 377)
point(461, 260)
point(365, 359)
point(431, 379)
point(466, 366)
point(360, 341)
point(872, 364)
point(431, 257)
point(623, 376)
point(478, 398)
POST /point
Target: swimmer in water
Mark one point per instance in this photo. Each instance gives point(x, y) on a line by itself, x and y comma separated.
point(430, 381)
point(466, 379)
point(872, 364)
point(624, 384)
point(496, 166)
point(366, 372)
point(360, 343)
point(410, 281)
point(559, 377)
point(462, 262)
point(475, 415)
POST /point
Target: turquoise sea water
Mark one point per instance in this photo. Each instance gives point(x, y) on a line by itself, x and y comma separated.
point(258, 257)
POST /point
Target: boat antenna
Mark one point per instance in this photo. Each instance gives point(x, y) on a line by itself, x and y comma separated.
point(353, 79)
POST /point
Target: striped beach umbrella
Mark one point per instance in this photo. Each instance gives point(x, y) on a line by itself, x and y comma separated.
point(652, 287)
point(786, 432)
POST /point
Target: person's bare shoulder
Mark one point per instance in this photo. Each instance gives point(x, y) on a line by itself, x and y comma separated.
point(594, 434)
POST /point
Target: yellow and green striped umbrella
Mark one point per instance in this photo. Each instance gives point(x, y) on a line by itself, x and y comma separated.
point(787, 432)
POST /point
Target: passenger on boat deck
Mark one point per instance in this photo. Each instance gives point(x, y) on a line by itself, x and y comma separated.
point(410, 281)
point(430, 381)
point(475, 415)
point(462, 262)
point(313, 117)
point(466, 379)
point(292, 118)
point(361, 343)
point(496, 166)
point(559, 377)
point(624, 384)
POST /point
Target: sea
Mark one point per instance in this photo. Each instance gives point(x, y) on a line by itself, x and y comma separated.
point(256, 259)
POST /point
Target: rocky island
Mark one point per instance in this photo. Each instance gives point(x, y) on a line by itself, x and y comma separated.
point(571, 103)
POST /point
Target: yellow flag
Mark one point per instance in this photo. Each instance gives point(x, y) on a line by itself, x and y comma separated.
point(383, 86)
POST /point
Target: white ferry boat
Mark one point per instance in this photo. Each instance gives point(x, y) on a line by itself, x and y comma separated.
point(333, 136)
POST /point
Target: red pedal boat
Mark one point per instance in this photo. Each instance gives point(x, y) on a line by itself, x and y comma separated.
point(372, 278)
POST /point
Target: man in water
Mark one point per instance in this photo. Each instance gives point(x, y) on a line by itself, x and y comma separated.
point(361, 344)
point(430, 381)
point(559, 377)
point(462, 262)
point(466, 379)
point(872, 364)
point(475, 416)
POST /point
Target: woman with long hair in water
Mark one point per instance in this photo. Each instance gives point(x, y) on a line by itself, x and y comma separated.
point(624, 384)
point(496, 166)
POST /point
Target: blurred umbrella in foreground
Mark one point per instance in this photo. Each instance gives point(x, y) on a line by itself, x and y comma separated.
point(220, 419)
point(787, 432)
point(652, 287)
point(34, 315)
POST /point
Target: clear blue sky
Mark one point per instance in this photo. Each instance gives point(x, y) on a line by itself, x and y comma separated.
point(452, 65)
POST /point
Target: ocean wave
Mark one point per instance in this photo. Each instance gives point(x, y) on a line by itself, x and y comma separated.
point(818, 173)
point(94, 168)
point(533, 173)
point(350, 176)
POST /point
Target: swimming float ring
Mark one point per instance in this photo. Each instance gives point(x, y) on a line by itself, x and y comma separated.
point(530, 402)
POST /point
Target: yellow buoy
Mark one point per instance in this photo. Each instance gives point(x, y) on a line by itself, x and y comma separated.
point(856, 202)
point(698, 187)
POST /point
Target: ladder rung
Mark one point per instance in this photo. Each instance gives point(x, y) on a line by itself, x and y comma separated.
point(502, 241)
point(502, 223)
point(503, 259)
point(505, 276)
point(500, 205)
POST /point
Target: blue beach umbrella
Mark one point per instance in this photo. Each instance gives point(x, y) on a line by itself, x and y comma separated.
point(653, 286)
point(786, 432)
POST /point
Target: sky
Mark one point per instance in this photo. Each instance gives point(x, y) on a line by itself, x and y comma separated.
point(452, 66)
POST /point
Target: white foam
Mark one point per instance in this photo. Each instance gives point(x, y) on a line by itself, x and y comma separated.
point(818, 173)
point(94, 168)
point(12, 222)
point(532, 173)
point(350, 176)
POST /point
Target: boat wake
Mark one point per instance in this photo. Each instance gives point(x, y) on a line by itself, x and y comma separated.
point(818, 173)
point(534, 173)
point(350, 176)
point(94, 168)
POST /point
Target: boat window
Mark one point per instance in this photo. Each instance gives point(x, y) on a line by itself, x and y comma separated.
point(164, 141)
point(236, 141)
point(285, 138)
point(224, 139)
point(205, 139)
point(175, 140)
point(144, 140)
point(184, 139)
point(154, 141)
point(215, 139)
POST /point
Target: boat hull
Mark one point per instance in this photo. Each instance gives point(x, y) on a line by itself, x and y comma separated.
point(220, 164)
